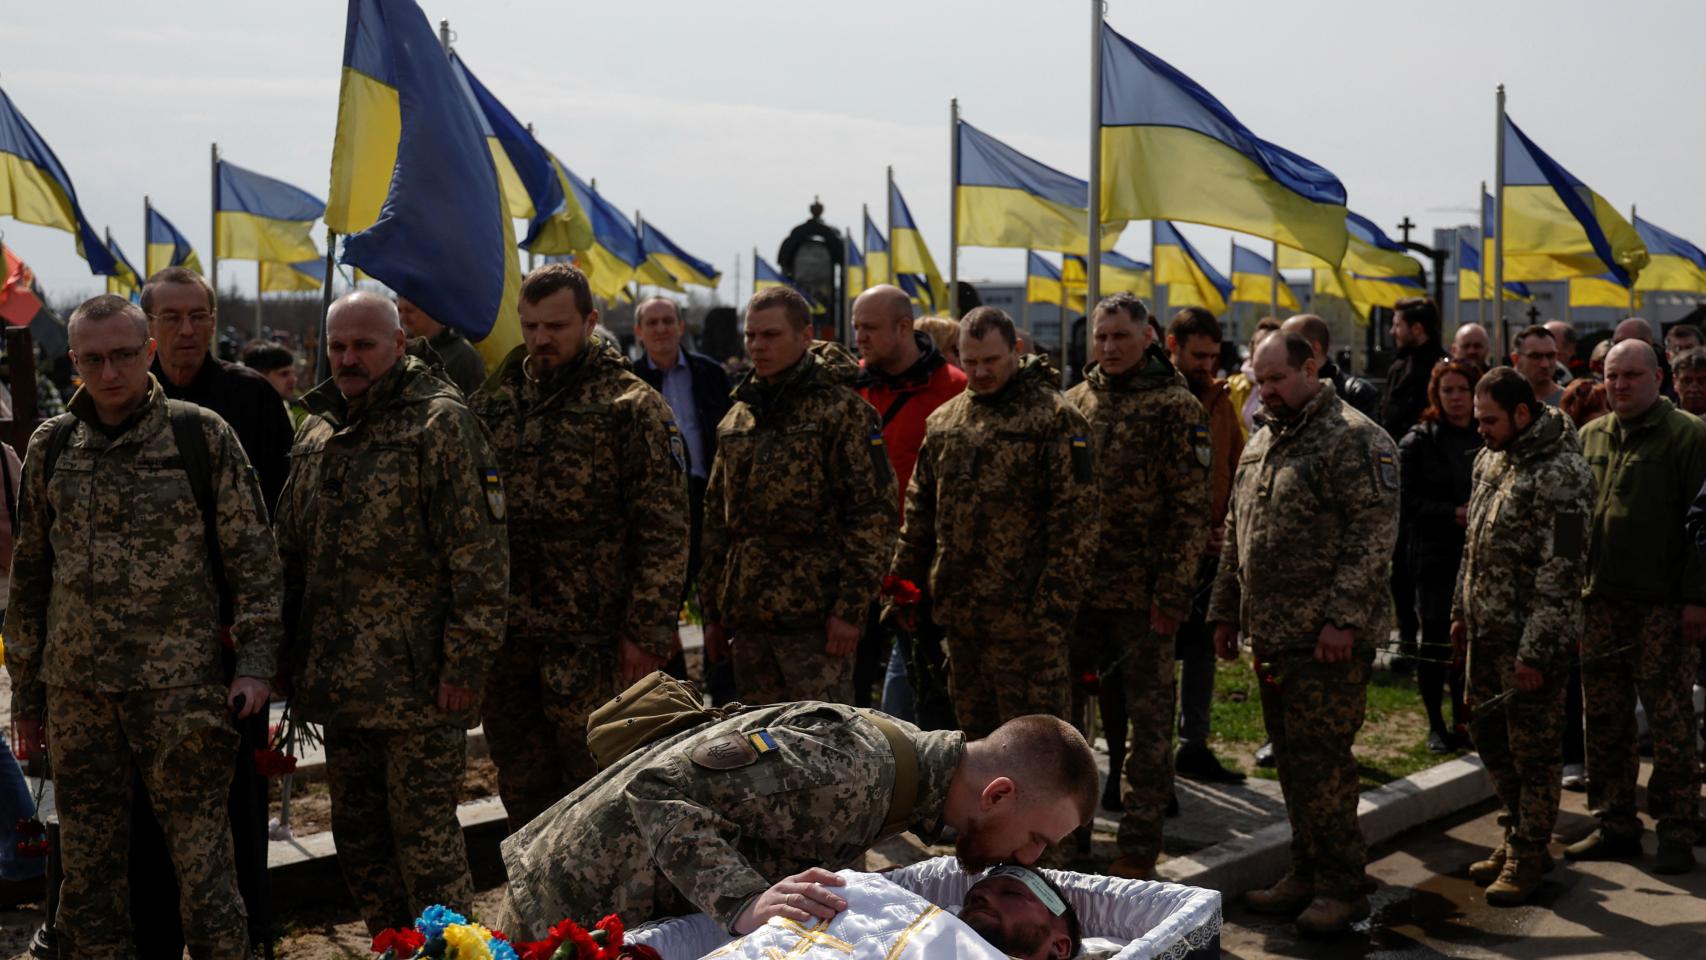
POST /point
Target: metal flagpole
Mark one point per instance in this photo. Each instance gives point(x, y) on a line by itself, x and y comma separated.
point(892, 267)
point(1025, 297)
point(954, 208)
point(147, 208)
point(1481, 244)
point(258, 268)
point(1632, 306)
point(1500, 343)
point(213, 251)
point(322, 363)
point(1093, 256)
point(755, 270)
point(1273, 283)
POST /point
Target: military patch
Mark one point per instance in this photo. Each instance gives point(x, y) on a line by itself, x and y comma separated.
point(1201, 444)
point(762, 741)
point(1569, 535)
point(1386, 466)
point(494, 490)
point(730, 751)
point(1081, 471)
point(879, 455)
point(677, 446)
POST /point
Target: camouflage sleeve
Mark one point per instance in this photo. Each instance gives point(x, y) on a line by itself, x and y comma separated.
point(247, 552)
point(1460, 599)
point(1073, 521)
point(1692, 464)
point(31, 586)
point(286, 530)
point(713, 543)
point(465, 520)
point(1556, 528)
point(690, 841)
point(654, 490)
point(916, 548)
point(1225, 603)
point(1365, 484)
point(1184, 489)
point(862, 487)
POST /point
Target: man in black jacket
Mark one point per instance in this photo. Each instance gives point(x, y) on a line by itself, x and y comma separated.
point(697, 389)
point(1354, 390)
point(1415, 332)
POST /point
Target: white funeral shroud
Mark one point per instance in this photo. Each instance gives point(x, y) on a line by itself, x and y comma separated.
point(908, 914)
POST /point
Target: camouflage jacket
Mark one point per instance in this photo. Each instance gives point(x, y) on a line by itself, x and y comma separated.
point(1520, 583)
point(1153, 454)
point(596, 497)
point(799, 508)
point(112, 589)
point(1002, 512)
point(706, 819)
point(1310, 533)
point(395, 558)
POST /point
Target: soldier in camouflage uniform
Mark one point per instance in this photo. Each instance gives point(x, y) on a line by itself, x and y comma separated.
point(714, 818)
point(799, 513)
point(395, 567)
point(597, 506)
point(1001, 522)
point(1518, 611)
point(1152, 457)
point(112, 638)
point(1304, 572)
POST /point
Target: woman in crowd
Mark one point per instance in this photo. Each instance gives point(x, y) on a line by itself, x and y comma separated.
point(1436, 458)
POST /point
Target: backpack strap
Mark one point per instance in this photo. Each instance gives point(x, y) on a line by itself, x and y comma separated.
point(57, 441)
point(905, 797)
point(198, 465)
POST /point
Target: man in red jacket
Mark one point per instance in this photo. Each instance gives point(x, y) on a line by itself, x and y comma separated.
point(906, 378)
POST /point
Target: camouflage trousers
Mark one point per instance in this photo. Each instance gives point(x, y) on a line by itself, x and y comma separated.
point(782, 667)
point(993, 680)
point(538, 695)
point(1146, 675)
point(394, 823)
point(1312, 712)
point(1520, 739)
point(1659, 666)
point(184, 747)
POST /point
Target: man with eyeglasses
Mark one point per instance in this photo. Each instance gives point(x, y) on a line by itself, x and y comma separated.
point(111, 635)
point(1534, 353)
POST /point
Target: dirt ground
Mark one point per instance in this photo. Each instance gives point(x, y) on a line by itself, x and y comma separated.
point(311, 803)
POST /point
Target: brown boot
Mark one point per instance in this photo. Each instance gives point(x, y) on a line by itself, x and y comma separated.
point(1486, 871)
point(1327, 915)
point(1285, 899)
point(1518, 880)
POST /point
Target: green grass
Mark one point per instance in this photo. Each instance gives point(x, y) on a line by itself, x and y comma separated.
point(1392, 743)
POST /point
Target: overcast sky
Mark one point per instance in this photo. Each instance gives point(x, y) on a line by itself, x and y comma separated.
point(721, 120)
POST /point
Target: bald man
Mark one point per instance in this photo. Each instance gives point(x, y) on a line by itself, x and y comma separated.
point(1645, 613)
point(1633, 328)
point(1471, 344)
point(1354, 390)
point(396, 569)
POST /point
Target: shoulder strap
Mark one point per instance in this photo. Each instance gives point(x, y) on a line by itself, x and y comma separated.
point(56, 443)
point(905, 796)
point(198, 465)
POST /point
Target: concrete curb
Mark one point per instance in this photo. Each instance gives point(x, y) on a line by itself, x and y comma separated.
point(1260, 859)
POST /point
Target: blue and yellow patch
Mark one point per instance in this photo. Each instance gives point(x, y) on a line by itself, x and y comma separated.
point(1081, 471)
point(762, 741)
point(493, 487)
point(1201, 443)
point(677, 445)
point(1386, 466)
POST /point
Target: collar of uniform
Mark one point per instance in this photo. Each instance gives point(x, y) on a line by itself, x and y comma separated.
point(443, 338)
point(82, 406)
point(939, 754)
point(328, 401)
point(1324, 398)
point(1660, 409)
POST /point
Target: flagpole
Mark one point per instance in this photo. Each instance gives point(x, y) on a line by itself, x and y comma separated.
point(213, 251)
point(1481, 244)
point(953, 208)
point(1093, 256)
point(755, 270)
point(847, 291)
point(892, 268)
point(1273, 283)
point(147, 206)
point(1632, 306)
point(1502, 345)
point(1025, 299)
point(1155, 269)
point(322, 362)
point(258, 267)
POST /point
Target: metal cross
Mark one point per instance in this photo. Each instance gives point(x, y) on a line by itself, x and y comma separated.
point(1405, 227)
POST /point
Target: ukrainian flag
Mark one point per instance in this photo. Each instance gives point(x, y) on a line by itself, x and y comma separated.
point(614, 254)
point(1676, 264)
point(1189, 279)
point(1469, 277)
point(1006, 199)
point(124, 280)
point(564, 233)
point(1253, 281)
point(1042, 281)
point(1554, 226)
point(259, 218)
point(34, 188)
point(1368, 251)
point(853, 276)
point(167, 247)
point(407, 132)
point(876, 255)
point(1170, 150)
point(1366, 292)
point(677, 263)
point(1119, 273)
point(764, 276)
point(906, 245)
point(308, 275)
point(1605, 290)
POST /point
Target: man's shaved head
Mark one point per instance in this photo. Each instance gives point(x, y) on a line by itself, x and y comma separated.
point(1634, 328)
point(1312, 328)
point(1632, 378)
point(1471, 343)
point(887, 300)
point(383, 311)
point(1638, 354)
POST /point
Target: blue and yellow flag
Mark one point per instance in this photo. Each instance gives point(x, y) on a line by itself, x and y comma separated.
point(853, 276)
point(1469, 277)
point(1171, 151)
point(1042, 282)
point(678, 263)
point(124, 280)
point(167, 247)
point(408, 133)
point(1120, 273)
point(303, 277)
point(917, 287)
point(614, 255)
point(1676, 264)
point(876, 255)
point(1554, 226)
point(1605, 290)
point(1368, 251)
point(906, 246)
point(35, 189)
point(1189, 279)
point(1006, 199)
point(1253, 281)
point(259, 218)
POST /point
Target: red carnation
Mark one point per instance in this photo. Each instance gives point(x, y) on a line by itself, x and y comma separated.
point(400, 943)
point(1091, 682)
point(903, 592)
point(271, 763)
